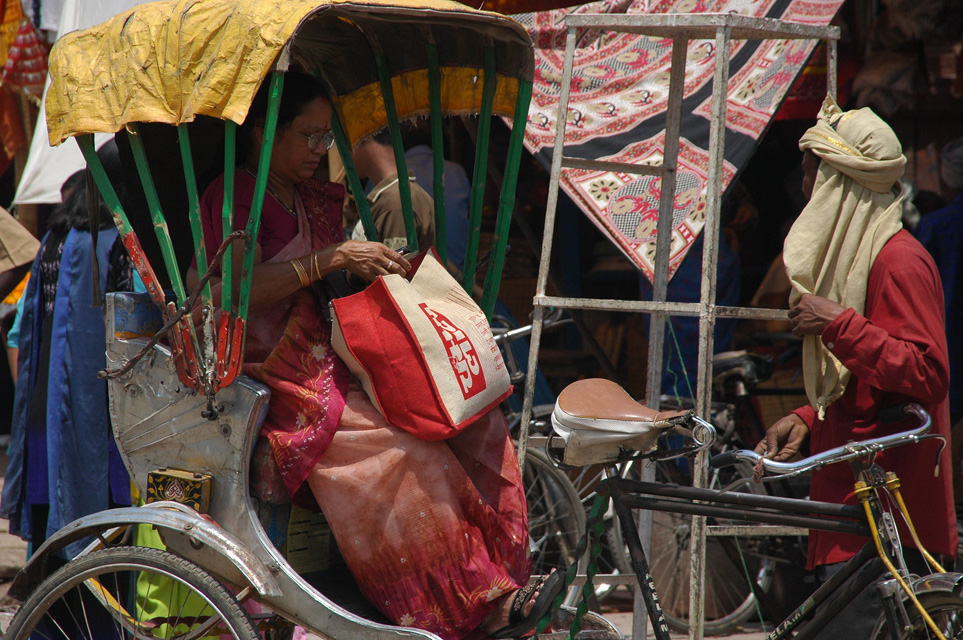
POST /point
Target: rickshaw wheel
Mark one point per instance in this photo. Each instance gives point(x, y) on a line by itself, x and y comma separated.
point(131, 592)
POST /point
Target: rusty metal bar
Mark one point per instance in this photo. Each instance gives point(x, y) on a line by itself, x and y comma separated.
point(680, 28)
point(748, 531)
point(622, 167)
point(703, 26)
point(707, 320)
point(660, 284)
point(664, 308)
point(548, 235)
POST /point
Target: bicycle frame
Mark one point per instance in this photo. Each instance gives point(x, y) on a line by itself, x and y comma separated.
point(859, 572)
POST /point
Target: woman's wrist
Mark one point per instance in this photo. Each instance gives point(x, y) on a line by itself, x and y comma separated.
point(303, 275)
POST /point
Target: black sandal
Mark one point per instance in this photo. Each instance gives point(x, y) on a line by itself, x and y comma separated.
point(518, 624)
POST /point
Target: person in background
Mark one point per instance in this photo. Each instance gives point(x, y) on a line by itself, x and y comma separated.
point(64, 463)
point(868, 301)
point(374, 159)
point(941, 233)
point(420, 162)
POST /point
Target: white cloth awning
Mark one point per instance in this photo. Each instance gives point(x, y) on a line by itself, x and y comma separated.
point(48, 167)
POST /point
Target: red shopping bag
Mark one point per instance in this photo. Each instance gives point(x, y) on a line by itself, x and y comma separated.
point(423, 350)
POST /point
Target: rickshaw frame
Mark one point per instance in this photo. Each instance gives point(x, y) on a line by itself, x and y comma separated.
point(185, 405)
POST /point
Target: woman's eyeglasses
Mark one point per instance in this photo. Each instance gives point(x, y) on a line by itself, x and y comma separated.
point(317, 139)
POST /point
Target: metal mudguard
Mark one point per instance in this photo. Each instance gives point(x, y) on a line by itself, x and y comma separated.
point(237, 566)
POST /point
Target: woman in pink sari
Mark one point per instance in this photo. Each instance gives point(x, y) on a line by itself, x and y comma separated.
point(435, 533)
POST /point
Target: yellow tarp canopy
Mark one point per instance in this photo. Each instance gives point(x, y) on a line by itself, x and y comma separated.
point(171, 61)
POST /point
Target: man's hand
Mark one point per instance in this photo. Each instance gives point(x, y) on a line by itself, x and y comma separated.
point(812, 314)
point(785, 439)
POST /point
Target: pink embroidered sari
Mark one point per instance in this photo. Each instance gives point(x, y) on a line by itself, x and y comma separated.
point(433, 532)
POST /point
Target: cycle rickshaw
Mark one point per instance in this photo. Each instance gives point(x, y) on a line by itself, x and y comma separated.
point(173, 79)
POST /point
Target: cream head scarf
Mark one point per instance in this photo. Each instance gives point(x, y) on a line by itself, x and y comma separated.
point(855, 208)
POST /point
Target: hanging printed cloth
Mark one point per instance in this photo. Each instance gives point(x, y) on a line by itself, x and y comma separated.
point(617, 111)
point(12, 137)
point(26, 65)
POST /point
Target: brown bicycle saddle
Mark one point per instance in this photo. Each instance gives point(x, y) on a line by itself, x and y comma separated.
point(598, 419)
point(601, 399)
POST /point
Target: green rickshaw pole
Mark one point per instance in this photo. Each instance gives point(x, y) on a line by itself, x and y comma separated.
point(357, 189)
point(437, 152)
point(193, 207)
point(156, 214)
point(481, 168)
point(227, 215)
point(260, 187)
point(127, 234)
point(404, 189)
point(506, 202)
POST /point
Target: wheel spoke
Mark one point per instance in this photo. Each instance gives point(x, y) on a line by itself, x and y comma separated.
point(126, 593)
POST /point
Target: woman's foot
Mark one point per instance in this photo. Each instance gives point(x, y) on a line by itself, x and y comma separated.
point(519, 612)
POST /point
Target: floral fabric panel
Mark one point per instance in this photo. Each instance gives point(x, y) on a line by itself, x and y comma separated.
point(617, 110)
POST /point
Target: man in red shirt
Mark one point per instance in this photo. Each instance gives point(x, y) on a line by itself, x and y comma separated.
point(868, 300)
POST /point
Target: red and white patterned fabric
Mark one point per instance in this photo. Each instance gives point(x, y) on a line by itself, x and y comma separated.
point(26, 66)
point(618, 104)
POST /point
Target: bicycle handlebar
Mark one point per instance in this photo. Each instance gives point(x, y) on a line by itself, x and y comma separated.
point(508, 334)
point(837, 454)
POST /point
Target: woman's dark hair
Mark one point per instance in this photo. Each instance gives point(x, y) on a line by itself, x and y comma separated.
point(299, 89)
point(72, 212)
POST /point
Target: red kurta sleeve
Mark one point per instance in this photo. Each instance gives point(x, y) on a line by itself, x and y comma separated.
point(903, 348)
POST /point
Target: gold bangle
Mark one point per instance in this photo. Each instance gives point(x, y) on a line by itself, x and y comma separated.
point(299, 269)
point(317, 267)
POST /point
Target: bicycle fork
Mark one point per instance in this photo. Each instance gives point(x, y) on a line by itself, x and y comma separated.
point(883, 529)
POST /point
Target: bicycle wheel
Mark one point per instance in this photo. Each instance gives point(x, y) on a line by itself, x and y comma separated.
point(946, 610)
point(730, 564)
point(130, 593)
point(556, 519)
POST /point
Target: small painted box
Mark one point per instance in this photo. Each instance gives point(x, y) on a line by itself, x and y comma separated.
point(186, 487)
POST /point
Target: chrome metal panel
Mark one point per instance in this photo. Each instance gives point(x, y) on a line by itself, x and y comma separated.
point(158, 423)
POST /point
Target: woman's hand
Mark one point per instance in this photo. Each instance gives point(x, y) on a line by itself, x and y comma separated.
point(371, 259)
point(785, 439)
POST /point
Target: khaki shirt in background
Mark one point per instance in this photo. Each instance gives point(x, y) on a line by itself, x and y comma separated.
point(385, 201)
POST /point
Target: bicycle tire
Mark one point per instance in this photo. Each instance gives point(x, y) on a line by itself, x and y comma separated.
point(729, 598)
point(162, 596)
point(556, 519)
point(946, 609)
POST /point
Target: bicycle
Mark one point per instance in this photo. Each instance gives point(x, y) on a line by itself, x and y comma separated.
point(913, 606)
point(736, 575)
point(739, 570)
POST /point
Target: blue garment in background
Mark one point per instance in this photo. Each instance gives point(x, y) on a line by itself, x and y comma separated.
point(73, 452)
point(520, 349)
point(941, 232)
point(457, 197)
point(686, 286)
point(13, 336)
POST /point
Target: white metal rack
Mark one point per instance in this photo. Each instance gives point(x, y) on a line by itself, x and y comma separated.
point(680, 28)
